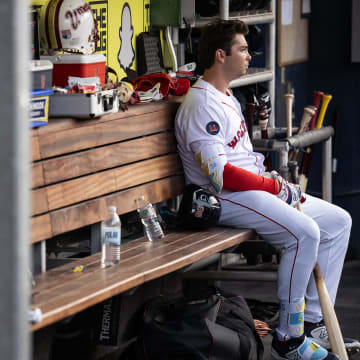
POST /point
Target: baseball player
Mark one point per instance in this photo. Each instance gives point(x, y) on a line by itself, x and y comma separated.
point(217, 154)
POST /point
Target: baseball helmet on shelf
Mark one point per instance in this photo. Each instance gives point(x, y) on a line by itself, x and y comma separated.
point(199, 209)
point(67, 25)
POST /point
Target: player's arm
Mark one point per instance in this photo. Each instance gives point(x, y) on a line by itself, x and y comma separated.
point(221, 174)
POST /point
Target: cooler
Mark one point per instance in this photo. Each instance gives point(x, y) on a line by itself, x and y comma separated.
point(41, 71)
point(39, 107)
point(79, 65)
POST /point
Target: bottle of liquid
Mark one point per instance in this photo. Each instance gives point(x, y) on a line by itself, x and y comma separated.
point(149, 219)
point(110, 238)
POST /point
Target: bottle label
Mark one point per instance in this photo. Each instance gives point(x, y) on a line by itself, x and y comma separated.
point(111, 236)
point(147, 213)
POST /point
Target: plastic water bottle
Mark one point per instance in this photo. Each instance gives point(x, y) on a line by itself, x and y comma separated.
point(149, 219)
point(110, 238)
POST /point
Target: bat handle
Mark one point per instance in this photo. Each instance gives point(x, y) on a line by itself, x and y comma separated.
point(325, 102)
point(317, 98)
point(289, 100)
point(250, 109)
point(305, 120)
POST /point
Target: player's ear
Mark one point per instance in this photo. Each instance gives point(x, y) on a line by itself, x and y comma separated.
point(220, 55)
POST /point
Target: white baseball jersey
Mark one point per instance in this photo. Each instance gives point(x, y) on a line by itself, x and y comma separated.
point(208, 115)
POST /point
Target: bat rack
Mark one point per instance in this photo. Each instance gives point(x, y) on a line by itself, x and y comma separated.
point(282, 147)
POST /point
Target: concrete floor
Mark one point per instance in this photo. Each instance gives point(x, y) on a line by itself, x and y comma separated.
point(347, 304)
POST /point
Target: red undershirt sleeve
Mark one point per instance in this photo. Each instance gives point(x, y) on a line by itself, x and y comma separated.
point(237, 179)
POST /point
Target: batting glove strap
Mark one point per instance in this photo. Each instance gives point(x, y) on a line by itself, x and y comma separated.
point(290, 193)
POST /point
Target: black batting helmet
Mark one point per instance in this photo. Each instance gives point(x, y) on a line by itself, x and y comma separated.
point(199, 209)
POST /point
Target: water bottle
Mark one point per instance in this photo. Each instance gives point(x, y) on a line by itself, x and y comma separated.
point(110, 238)
point(149, 219)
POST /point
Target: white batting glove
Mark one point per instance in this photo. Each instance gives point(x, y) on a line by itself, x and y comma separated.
point(273, 175)
point(290, 193)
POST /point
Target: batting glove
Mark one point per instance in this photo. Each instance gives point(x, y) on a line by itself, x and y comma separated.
point(290, 193)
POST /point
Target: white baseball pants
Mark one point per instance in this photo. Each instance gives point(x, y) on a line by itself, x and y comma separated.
point(319, 233)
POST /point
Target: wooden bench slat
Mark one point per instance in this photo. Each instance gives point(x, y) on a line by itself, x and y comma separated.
point(101, 133)
point(40, 228)
point(37, 175)
point(98, 159)
point(92, 211)
point(159, 258)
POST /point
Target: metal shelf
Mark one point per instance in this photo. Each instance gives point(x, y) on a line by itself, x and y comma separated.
point(249, 17)
point(254, 75)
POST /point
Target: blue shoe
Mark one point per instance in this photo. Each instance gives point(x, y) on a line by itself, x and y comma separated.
point(300, 348)
point(317, 333)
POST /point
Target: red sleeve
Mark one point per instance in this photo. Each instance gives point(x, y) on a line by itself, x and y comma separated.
point(237, 179)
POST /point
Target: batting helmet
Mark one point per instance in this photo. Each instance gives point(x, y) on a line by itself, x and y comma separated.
point(199, 209)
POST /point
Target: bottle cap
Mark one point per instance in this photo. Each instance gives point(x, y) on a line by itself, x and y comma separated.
point(112, 208)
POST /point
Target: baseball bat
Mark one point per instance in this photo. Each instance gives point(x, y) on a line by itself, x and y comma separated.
point(325, 102)
point(250, 109)
point(308, 113)
point(327, 308)
point(306, 161)
point(263, 119)
point(289, 100)
point(317, 99)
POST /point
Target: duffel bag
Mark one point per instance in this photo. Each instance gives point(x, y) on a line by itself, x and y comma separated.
point(214, 326)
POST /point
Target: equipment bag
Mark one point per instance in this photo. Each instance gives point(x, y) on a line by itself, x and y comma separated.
point(210, 327)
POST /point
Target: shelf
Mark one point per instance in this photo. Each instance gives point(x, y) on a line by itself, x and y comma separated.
point(248, 17)
point(254, 75)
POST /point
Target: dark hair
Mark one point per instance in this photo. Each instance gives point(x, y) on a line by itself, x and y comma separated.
point(218, 34)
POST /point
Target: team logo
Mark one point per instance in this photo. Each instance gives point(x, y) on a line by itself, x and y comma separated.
point(212, 128)
point(66, 34)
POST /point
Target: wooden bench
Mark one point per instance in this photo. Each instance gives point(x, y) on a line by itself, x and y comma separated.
point(82, 166)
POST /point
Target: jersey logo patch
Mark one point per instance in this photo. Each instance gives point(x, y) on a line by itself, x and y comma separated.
point(212, 128)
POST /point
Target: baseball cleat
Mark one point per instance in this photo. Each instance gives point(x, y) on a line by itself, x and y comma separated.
point(317, 333)
point(300, 348)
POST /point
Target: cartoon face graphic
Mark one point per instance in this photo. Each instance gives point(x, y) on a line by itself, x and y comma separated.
point(126, 53)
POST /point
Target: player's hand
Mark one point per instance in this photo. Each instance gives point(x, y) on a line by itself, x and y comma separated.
point(290, 193)
point(273, 175)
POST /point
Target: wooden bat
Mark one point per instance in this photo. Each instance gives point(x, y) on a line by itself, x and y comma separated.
point(263, 119)
point(289, 100)
point(308, 113)
point(306, 161)
point(317, 99)
point(250, 109)
point(325, 102)
point(327, 308)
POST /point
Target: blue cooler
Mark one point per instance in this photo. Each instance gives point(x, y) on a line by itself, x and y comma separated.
point(39, 107)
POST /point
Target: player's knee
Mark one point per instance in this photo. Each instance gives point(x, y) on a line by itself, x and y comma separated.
point(346, 220)
point(310, 237)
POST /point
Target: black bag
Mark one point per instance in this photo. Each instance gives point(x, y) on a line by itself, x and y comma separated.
point(211, 327)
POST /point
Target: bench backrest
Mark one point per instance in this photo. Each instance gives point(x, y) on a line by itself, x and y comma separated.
point(79, 167)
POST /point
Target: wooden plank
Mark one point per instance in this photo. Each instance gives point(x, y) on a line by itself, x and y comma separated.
point(101, 133)
point(93, 211)
point(76, 296)
point(35, 148)
point(81, 290)
point(40, 228)
point(39, 203)
point(110, 156)
point(60, 124)
point(95, 185)
point(37, 175)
